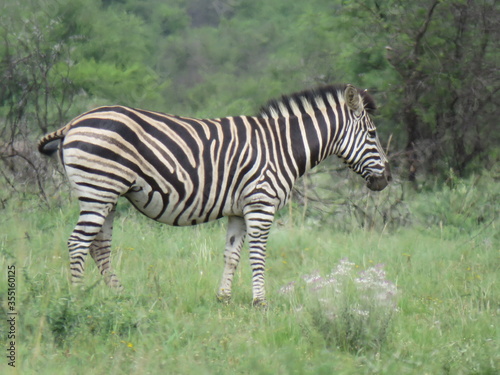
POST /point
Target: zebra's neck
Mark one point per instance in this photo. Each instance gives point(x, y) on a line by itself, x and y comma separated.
point(309, 139)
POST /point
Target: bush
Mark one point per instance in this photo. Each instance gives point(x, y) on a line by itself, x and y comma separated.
point(351, 309)
point(461, 204)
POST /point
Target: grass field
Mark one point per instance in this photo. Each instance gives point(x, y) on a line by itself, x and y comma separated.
point(445, 265)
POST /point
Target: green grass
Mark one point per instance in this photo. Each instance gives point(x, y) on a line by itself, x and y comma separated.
point(446, 267)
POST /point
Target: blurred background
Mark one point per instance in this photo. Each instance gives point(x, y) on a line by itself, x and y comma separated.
point(432, 67)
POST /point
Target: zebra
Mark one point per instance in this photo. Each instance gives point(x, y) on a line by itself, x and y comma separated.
point(185, 171)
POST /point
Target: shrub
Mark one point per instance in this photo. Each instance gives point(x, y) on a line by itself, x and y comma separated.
point(351, 309)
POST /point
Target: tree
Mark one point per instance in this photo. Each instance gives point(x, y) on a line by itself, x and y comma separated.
point(446, 55)
point(55, 55)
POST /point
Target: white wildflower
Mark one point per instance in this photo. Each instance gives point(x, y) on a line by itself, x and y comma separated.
point(288, 288)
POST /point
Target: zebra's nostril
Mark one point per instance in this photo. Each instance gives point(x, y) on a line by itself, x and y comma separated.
point(377, 182)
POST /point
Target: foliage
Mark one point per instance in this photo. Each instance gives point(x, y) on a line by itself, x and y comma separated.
point(461, 204)
point(444, 53)
point(431, 66)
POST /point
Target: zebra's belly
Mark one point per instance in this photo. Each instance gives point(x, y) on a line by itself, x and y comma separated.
point(170, 209)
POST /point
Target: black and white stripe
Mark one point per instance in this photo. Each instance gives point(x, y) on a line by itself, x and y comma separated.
point(186, 171)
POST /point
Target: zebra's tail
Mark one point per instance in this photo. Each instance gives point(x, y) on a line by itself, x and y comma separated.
point(48, 145)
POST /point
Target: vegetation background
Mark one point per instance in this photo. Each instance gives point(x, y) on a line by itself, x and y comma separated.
point(432, 67)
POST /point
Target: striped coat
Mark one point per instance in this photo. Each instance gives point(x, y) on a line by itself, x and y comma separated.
point(185, 171)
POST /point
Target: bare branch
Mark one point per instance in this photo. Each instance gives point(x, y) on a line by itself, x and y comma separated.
point(417, 50)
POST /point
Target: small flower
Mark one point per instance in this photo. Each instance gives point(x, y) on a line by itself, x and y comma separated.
point(359, 312)
point(288, 288)
point(312, 278)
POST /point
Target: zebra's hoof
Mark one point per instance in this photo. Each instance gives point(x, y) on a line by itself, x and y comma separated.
point(115, 286)
point(260, 303)
point(118, 289)
point(223, 298)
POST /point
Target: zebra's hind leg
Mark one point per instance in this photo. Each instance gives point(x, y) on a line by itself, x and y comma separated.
point(100, 250)
point(92, 218)
point(235, 237)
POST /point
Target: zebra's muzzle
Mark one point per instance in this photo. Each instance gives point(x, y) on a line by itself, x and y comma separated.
point(379, 182)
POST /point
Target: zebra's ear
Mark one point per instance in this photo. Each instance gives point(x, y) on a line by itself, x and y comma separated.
point(353, 99)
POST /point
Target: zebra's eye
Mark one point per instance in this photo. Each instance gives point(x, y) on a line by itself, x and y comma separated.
point(372, 133)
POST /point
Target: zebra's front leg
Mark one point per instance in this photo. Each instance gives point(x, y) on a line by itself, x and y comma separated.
point(235, 238)
point(100, 250)
point(258, 223)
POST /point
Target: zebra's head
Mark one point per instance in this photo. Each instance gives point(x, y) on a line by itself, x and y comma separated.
point(360, 146)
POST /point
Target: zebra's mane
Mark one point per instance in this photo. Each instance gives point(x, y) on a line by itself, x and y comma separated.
point(311, 100)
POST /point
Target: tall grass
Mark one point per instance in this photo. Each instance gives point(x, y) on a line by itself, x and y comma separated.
point(445, 267)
